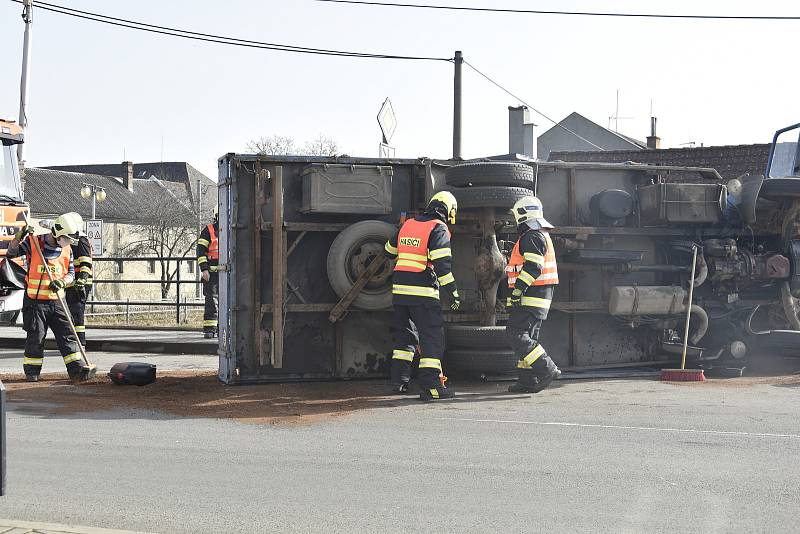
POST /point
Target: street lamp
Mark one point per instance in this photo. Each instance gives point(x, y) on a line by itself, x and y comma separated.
point(96, 193)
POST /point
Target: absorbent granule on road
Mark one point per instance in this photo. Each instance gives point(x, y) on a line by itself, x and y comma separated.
point(201, 394)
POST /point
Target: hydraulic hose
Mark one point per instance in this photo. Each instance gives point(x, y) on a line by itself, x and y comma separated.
point(702, 328)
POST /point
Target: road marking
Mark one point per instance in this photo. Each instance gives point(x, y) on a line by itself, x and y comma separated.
point(620, 427)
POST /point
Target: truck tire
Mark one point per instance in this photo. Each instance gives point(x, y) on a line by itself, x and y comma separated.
point(481, 362)
point(479, 337)
point(351, 252)
point(489, 197)
point(498, 173)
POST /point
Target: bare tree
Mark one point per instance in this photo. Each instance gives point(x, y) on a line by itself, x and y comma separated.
point(321, 146)
point(171, 232)
point(274, 145)
point(279, 145)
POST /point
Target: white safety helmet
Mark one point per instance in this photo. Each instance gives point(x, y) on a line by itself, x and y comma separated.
point(68, 225)
point(529, 210)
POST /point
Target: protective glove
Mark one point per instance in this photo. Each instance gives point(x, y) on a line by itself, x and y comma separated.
point(455, 305)
point(205, 276)
point(80, 288)
point(57, 285)
point(516, 297)
point(24, 231)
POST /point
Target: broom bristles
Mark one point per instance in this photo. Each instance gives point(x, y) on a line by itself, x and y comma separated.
point(683, 375)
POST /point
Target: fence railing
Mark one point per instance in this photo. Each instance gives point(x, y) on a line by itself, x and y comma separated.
point(177, 303)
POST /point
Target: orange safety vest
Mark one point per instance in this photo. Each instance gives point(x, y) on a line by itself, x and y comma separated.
point(412, 245)
point(549, 274)
point(37, 281)
point(213, 246)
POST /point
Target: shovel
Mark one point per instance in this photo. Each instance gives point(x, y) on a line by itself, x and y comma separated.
point(89, 369)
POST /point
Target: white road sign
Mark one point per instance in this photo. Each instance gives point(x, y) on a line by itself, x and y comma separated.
point(94, 230)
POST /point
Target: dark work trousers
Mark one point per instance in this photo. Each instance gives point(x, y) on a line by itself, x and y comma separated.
point(37, 317)
point(76, 301)
point(522, 331)
point(418, 325)
point(211, 293)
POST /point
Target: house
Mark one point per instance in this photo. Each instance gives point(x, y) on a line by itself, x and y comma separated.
point(590, 136)
point(142, 216)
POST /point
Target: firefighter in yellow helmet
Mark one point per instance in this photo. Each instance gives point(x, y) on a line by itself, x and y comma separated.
point(41, 308)
point(208, 261)
point(532, 276)
point(423, 268)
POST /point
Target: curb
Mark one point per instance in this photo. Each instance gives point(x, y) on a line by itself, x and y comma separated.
point(53, 528)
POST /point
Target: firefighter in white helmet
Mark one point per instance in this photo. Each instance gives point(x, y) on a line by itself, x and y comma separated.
point(41, 308)
point(208, 261)
point(532, 276)
point(424, 266)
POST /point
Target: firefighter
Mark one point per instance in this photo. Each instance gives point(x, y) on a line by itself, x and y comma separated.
point(41, 307)
point(78, 292)
point(422, 249)
point(208, 261)
point(532, 276)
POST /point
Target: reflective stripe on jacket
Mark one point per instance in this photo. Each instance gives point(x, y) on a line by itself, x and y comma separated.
point(37, 281)
point(412, 246)
point(548, 265)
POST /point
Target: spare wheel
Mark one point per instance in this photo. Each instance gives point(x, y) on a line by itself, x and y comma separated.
point(497, 173)
point(351, 253)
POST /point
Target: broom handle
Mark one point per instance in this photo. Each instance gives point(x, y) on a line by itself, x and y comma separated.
point(689, 309)
point(60, 299)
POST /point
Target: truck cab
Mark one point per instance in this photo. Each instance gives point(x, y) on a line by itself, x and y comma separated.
point(13, 211)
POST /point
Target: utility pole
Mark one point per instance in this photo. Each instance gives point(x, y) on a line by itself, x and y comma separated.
point(27, 16)
point(458, 60)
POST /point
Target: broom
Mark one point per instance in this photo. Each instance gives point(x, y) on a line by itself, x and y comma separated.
point(90, 369)
point(683, 374)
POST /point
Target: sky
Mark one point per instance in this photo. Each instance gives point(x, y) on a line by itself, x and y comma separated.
point(101, 94)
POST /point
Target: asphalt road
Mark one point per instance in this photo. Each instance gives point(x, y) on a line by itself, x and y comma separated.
point(11, 361)
point(612, 456)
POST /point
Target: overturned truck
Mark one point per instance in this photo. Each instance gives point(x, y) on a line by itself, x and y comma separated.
point(305, 289)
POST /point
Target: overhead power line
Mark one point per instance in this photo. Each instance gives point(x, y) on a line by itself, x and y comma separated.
point(577, 13)
point(512, 95)
point(218, 39)
point(232, 41)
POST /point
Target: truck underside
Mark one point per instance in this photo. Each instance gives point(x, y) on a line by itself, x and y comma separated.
point(299, 233)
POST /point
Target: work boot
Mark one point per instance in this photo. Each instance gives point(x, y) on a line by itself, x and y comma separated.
point(546, 380)
point(399, 389)
point(526, 382)
point(436, 393)
point(32, 378)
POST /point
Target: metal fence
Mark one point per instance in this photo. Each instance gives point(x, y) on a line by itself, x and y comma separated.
point(130, 307)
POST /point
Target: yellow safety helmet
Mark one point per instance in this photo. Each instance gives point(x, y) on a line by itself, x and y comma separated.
point(67, 225)
point(450, 203)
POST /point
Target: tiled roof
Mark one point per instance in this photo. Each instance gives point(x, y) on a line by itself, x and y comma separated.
point(730, 161)
point(166, 171)
point(52, 192)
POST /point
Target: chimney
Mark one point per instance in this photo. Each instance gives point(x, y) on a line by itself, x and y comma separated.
point(520, 131)
point(653, 141)
point(127, 174)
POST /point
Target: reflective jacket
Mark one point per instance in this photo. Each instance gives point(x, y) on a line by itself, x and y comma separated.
point(533, 270)
point(37, 281)
point(208, 248)
point(424, 261)
point(82, 254)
